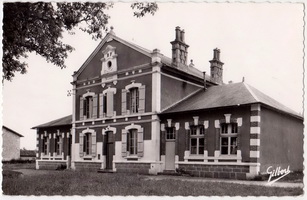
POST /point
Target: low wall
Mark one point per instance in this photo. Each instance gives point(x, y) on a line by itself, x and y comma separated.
point(87, 166)
point(51, 165)
point(140, 168)
point(215, 171)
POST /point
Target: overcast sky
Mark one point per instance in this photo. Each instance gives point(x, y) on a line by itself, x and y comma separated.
point(262, 42)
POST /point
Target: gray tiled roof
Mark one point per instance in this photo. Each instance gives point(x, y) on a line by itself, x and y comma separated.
point(234, 94)
point(58, 122)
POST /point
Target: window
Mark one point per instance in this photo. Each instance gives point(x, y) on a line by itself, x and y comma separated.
point(87, 143)
point(197, 140)
point(229, 138)
point(132, 142)
point(134, 100)
point(170, 133)
point(88, 107)
point(45, 145)
point(105, 105)
point(57, 143)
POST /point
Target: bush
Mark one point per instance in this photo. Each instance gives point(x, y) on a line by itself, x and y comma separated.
point(61, 167)
point(15, 161)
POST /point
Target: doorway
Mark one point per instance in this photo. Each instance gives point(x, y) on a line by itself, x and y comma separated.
point(109, 149)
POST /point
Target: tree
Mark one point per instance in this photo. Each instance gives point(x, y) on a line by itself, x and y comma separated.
point(38, 27)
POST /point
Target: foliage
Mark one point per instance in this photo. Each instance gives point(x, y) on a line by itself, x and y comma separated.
point(38, 27)
point(144, 8)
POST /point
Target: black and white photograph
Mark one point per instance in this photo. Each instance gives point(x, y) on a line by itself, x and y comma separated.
point(153, 99)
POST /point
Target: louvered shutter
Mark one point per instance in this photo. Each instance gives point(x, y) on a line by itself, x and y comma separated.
point(81, 108)
point(238, 139)
point(48, 145)
point(60, 145)
point(93, 144)
point(140, 143)
point(217, 139)
point(101, 105)
point(128, 103)
point(124, 143)
point(95, 101)
point(124, 102)
point(81, 145)
point(110, 107)
point(141, 99)
point(187, 139)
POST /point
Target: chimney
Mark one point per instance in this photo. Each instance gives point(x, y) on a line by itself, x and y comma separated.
point(205, 84)
point(216, 67)
point(179, 48)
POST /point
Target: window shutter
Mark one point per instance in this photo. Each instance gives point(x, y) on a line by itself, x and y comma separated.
point(238, 139)
point(61, 145)
point(110, 106)
point(142, 99)
point(95, 106)
point(101, 105)
point(128, 103)
point(140, 143)
point(81, 145)
point(124, 143)
point(217, 139)
point(93, 144)
point(48, 146)
point(187, 139)
point(81, 108)
point(124, 102)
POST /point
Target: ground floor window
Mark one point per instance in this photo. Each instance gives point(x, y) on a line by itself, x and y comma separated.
point(45, 149)
point(87, 143)
point(170, 133)
point(197, 140)
point(132, 141)
point(57, 142)
point(228, 138)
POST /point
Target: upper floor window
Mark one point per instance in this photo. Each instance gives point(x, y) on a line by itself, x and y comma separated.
point(197, 140)
point(229, 132)
point(134, 100)
point(88, 106)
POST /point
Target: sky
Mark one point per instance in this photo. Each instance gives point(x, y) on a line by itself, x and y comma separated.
point(262, 42)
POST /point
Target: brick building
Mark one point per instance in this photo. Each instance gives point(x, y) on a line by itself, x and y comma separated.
point(136, 110)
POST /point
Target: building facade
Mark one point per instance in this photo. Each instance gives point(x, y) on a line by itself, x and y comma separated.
point(11, 144)
point(136, 110)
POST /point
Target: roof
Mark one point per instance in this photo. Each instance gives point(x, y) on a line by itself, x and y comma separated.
point(27, 153)
point(164, 59)
point(12, 131)
point(234, 94)
point(58, 122)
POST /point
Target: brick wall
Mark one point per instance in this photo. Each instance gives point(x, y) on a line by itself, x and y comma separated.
point(88, 166)
point(215, 171)
point(140, 168)
point(48, 165)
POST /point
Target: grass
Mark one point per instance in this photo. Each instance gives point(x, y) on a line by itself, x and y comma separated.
point(91, 183)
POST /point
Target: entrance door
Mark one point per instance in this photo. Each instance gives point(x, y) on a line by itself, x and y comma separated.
point(170, 143)
point(109, 149)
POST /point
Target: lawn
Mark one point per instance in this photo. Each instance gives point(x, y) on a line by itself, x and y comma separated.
point(91, 183)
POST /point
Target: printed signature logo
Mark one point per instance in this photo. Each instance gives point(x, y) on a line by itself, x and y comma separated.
point(277, 172)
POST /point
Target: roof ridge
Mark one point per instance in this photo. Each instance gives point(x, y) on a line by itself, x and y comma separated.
point(181, 100)
point(251, 92)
